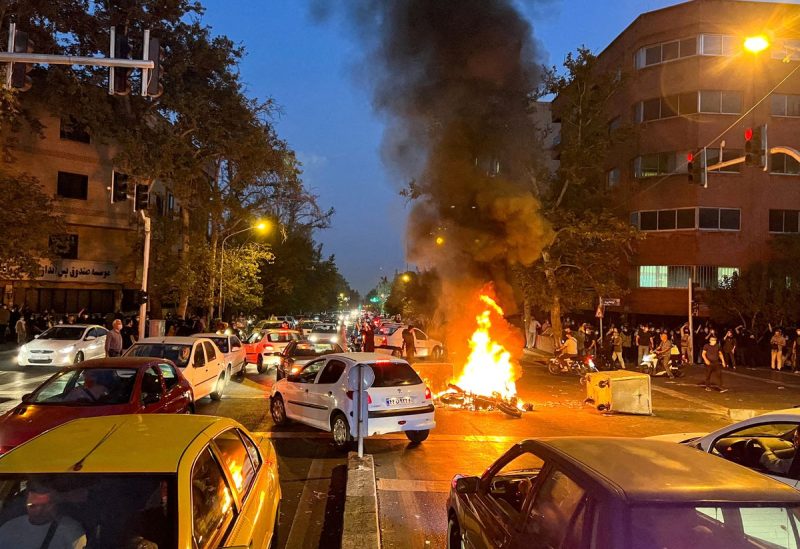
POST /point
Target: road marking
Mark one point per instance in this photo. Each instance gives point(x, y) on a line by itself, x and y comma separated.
point(302, 522)
point(410, 485)
point(699, 401)
point(771, 381)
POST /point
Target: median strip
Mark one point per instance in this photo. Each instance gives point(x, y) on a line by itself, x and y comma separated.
point(360, 529)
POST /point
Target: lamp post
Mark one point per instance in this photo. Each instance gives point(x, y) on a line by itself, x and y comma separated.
point(261, 226)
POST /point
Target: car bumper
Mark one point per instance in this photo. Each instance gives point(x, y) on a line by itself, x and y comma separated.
point(389, 423)
point(54, 359)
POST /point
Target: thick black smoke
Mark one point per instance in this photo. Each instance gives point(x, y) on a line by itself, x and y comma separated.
point(454, 78)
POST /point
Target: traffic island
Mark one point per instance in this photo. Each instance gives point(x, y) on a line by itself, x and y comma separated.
point(360, 529)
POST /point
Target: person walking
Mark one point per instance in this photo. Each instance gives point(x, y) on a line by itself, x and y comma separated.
point(114, 339)
point(642, 343)
point(714, 361)
point(777, 343)
point(409, 343)
point(21, 330)
point(616, 348)
point(729, 350)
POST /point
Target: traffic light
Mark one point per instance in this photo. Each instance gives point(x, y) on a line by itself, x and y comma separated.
point(690, 166)
point(19, 71)
point(755, 146)
point(119, 187)
point(695, 167)
point(122, 50)
point(156, 54)
point(141, 198)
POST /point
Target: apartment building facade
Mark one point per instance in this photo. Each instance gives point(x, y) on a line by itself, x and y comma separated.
point(689, 86)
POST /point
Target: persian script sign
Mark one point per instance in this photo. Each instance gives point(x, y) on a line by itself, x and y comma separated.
point(79, 271)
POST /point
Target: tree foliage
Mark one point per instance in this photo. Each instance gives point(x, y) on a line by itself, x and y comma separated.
point(414, 296)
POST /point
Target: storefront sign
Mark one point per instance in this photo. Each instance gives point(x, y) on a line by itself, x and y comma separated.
point(78, 271)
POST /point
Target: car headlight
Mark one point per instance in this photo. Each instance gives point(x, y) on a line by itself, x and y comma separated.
point(335, 339)
point(24, 348)
point(67, 350)
point(312, 338)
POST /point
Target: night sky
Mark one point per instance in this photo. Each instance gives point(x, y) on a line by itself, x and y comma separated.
point(327, 116)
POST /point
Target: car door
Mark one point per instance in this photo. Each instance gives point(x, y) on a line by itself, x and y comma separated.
point(151, 392)
point(559, 512)
point(235, 346)
point(495, 511)
point(202, 380)
point(95, 347)
point(213, 511)
point(297, 386)
point(322, 395)
point(101, 334)
point(175, 401)
point(214, 359)
point(421, 343)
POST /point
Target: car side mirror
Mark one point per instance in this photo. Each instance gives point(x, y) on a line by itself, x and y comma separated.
point(89, 338)
point(467, 485)
point(36, 336)
point(293, 378)
point(26, 397)
point(151, 398)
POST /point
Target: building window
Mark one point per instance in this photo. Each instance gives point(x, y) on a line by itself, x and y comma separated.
point(718, 44)
point(652, 276)
point(780, 163)
point(665, 220)
point(725, 219)
point(73, 130)
point(712, 157)
point(677, 276)
point(665, 52)
point(785, 105)
point(786, 50)
point(650, 165)
point(612, 177)
point(709, 276)
point(720, 102)
point(666, 107)
point(64, 246)
point(72, 185)
point(783, 221)
point(170, 202)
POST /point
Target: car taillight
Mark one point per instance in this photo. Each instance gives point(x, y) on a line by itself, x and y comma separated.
point(428, 395)
point(385, 341)
point(268, 347)
point(350, 396)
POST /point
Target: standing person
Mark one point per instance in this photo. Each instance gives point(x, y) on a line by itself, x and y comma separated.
point(580, 337)
point(12, 320)
point(714, 361)
point(368, 338)
point(777, 343)
point(795, 354)
point(114, 339)
point(662, 351)
point(729, 350)
point(685, 338)
point(627, 342)
point(642, 343)
point(129, 334)
point(409, 343)
point(5, 318)
point(21, 330)
point(616, 348)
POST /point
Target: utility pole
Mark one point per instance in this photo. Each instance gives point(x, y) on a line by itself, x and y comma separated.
point(691, 322)
point(143, 306)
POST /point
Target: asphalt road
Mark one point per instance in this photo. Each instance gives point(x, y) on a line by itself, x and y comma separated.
point(413, 480)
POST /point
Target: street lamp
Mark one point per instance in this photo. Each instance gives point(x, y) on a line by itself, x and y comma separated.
point(261, 226)
point(405, 277)
point(756, 44)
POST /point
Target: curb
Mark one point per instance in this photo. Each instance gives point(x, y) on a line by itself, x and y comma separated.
point(360, 529)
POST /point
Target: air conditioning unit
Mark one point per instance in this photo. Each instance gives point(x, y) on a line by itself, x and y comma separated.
point(620, 391)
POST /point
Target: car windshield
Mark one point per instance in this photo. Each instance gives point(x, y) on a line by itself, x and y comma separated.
point(324, 329)
point(87, 387)
point(715, 527)
point(307, 324)
point(102, 511)
point(394, 374)
point(71, 333)
point(176, 352)
point(255, 337)
point(280, 337)
point(388, 330)
point(222, 343)
point(313, 349)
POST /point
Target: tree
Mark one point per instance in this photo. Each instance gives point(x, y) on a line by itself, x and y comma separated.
point(414, 296)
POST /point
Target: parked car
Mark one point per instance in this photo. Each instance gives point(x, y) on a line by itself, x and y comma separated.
point(324, 333)
point(98, 387)
point(306, 326)
point(232, 350)
point(618, 493)
point(745, 441)
point(264, 348)
point(318, 396)
point(299, 353)
point(155, 480)
point(389, 339)
point(199, 359)
point(64, 344)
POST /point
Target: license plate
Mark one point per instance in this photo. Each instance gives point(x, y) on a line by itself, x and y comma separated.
point(398, 400)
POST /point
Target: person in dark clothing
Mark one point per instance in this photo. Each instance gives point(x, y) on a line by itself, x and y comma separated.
point(409, 343)
point(729, 349)
point(714, 361)
point(368, 338)
point(128, 334)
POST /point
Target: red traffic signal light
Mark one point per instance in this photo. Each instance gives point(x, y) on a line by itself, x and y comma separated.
point(689, 157)
point(748, 134)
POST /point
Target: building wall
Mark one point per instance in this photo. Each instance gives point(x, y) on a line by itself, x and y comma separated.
point(751, 190)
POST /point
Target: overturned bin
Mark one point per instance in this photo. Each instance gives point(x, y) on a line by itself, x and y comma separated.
point(619, 391)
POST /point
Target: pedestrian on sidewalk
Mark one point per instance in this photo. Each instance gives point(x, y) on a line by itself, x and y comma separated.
point(114, 339)
point(714, 361)
point(777, 343)
point(21, 331)
point(642, 343)
point(729, 349)
point(616, 348)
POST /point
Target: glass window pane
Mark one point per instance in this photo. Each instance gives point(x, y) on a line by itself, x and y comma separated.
point(648, 165)
point(669, 51)
point(558, 499)
point(709, 218)
point(651, 109)
point(652, 55)
point(729, 219)
point(778, 105)
point(793, 105)
point(648, 221)
point(792, 166)
point(688, 103)
point(730, 45)
point(790, 221)
point(712, 44)
point(212, 501)
point(236, 459)
point(689, 46)
point(725, 273)
point(666, 220)
point(613, 177)
point(653, 276)
point(669, 106)
point(678, 276)
point(731, 102)
point(685, 218)
point(635, 219)
point(776, 221)
point(710, 101)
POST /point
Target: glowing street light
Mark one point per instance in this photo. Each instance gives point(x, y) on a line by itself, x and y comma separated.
point(439, 240)
point(756, 44)
point(260, 226)
point(406, 277)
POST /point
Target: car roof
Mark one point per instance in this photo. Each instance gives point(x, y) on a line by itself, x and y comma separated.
point(365, 358)
point(120, 362)
point(148, 443)
point(84, 326)
point(654, 471)
point(280, 331)
point(210, 335)
point(171, 340)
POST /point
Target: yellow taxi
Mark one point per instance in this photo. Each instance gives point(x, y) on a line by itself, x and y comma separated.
point(141, 481)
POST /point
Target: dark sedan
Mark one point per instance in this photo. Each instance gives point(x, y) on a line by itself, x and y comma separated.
point(299, 353)
point(100, 387)
point(621, 493)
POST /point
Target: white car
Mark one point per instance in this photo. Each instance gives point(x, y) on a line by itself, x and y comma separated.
point(743, 442)
point(200, 360)
point(318, 396)
point(232, 351)
point(324, 333)
point(389, 339)
point(63, 345)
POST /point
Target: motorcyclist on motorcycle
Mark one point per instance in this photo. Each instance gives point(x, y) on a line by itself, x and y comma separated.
point(568, 350)
point(662, 352)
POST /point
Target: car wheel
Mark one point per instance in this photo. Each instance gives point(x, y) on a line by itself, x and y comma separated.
point(79, 357)
point(341, 432)
point(418, 436)
point(190, 408)
point(241, 371)
point(454, 540)
point(218, 388)
point(437, 354)
point(260, 364)
point(278, 410)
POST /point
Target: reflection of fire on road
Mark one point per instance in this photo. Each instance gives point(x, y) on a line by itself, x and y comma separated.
point(488, 378)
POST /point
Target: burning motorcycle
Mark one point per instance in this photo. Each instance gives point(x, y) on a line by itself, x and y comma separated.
point(455, 396)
